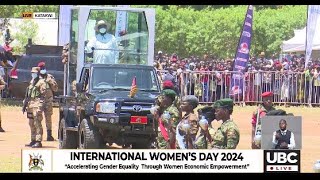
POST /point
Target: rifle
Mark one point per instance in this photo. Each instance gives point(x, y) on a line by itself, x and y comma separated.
point(25, 101)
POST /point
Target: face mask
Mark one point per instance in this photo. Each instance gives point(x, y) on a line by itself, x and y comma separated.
point(43, 71)
point(102, 30)
point(34, 75)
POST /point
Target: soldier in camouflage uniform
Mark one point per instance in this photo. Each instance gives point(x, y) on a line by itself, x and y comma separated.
point(2, 86)
point(194, 137)
point(262, 110)
point(176, 102)
point(227, 135)
point(167, 129)
point(52, 87)
point(36, 92)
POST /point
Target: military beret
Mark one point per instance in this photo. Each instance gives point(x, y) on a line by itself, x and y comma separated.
point(169, 93)
point(167, 85)
point(267, 94)
point(41, 64)
point(224, 103)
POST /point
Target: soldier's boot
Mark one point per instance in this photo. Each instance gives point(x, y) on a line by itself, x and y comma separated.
point(37, 145)
point(49, 135)
point(1, 130)
point(31, 144)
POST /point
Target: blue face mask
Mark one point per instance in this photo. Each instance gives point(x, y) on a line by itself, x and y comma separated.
point(34, 75)
point(102, 30)
point(43, 71)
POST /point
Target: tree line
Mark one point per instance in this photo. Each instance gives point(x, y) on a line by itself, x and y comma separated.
point(195, 30)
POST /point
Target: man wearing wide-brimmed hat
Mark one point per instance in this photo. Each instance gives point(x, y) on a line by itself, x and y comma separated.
point(104, 45)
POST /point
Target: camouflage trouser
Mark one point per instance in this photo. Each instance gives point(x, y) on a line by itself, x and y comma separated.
point(35, 107)
point(48, 111)
point(162, 143)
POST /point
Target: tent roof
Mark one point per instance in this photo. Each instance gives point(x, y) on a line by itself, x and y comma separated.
point(297, 43)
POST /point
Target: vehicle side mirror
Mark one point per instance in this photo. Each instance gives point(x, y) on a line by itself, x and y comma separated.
point(79, 87)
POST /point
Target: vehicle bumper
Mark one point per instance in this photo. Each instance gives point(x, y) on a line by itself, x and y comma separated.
point(122, 124)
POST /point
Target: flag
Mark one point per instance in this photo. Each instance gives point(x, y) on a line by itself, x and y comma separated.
point(313, 14)
point(242, 54)
point(134, 88)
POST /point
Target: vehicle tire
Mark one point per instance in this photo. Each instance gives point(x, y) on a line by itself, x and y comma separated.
point(67, 139)
point(89, 136)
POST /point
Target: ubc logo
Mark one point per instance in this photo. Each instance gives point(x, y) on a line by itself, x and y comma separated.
point(282, 157)
point(282, 161)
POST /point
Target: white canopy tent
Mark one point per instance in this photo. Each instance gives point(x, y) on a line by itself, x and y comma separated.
point(297, 43)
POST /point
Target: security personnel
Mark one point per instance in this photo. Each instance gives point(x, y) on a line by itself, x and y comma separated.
point(168, 85)
point(188, 132)
point(167, 125)
point(36, 92)
point(52, 87)
point(227, 135)
point(2, 86)
point(262, 110)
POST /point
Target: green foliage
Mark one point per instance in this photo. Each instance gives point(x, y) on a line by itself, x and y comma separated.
point(26, 29)
point(10, 11)
point(217, 30)
point(196, 29)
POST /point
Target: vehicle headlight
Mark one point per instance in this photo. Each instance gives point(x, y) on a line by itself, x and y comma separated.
point(105, 107)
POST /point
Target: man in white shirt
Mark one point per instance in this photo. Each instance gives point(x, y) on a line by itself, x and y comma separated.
point(104, 45)
point(283, 138)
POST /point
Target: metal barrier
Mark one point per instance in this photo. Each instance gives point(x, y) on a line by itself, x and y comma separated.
point(289, 88)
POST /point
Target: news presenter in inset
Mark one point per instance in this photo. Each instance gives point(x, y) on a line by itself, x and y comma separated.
point(283, 138)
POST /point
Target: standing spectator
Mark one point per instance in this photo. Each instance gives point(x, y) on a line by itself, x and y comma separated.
point(2, 86)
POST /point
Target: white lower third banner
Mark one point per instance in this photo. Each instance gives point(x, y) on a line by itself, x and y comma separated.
point(143, 161)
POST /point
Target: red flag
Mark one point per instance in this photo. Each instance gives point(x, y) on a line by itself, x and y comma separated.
point(134, 88)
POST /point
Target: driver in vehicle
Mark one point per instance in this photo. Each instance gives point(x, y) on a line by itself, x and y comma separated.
point(104, 45)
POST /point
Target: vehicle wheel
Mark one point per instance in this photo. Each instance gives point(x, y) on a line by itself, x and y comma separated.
point(67, 139)
point(89, 137)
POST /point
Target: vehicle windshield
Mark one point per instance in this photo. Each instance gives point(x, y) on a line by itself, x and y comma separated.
point(104, 78)
point(116, 37)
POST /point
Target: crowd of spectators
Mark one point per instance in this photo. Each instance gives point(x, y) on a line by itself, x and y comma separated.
point(287, 77)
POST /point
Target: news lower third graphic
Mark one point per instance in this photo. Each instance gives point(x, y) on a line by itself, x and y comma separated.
point(142, 161)
point(282, 161)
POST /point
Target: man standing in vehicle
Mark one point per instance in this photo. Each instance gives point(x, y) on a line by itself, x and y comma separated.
point(104, 46)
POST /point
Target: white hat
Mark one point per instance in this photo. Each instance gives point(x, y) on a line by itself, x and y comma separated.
point(159, 52)
point(101, 22)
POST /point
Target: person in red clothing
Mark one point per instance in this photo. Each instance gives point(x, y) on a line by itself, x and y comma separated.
point(263, 109)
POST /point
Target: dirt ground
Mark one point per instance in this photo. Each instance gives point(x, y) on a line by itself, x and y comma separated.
point(18, 134)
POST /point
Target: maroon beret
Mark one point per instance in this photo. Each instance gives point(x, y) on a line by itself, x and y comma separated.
point(267, 94)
